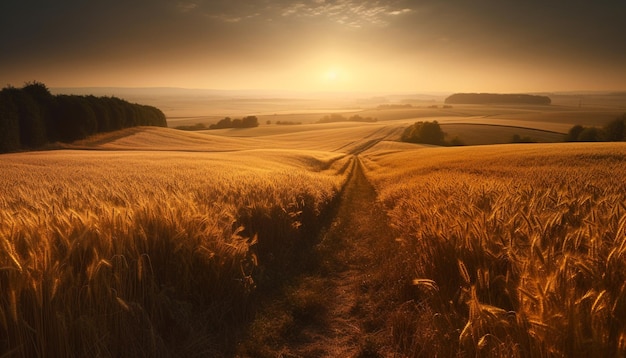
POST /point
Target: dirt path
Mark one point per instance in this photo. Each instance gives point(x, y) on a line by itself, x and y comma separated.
point(329, 312)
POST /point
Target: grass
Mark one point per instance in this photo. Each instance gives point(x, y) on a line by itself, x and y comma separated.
point(508, 250)
point(124, 254)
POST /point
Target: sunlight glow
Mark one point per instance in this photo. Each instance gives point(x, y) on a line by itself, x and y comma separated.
point(332, 75)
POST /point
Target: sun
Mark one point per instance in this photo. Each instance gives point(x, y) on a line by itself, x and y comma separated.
point(331, 75)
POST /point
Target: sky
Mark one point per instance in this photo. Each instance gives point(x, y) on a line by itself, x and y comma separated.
point(317, 45)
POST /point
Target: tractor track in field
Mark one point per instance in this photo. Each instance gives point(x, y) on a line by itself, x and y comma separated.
point(331, 311)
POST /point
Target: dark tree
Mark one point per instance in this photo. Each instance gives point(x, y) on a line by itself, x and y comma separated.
point(425, 133)
point(116, 109)
point(246, 122)
point(615, 131)
point(9, 124)
point(590, 134)
point(574, 133)
point(154, 116)
point(222, 123)
point(250, 122)
point(129, 119)
point(75, 117)
point(31, 125)
point(46, 102)
point(102, 113)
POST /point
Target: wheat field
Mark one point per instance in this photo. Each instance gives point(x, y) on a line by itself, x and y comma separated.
point(156, 242)
point(148, 253)
point(507, 250)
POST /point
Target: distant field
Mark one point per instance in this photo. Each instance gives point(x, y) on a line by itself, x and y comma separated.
point(490, 124)
point(331, 137)
point(476, 134)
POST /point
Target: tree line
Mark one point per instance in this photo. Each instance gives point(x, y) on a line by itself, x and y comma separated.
point(497, 98)
point(245, 122)
point(31, 117)
point(227, 122)
point(614, 131)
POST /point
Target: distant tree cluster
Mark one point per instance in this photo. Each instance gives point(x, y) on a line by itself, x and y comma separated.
point(425, 133)
point(496, 98)
point(31, 116)
point(331, 118)
point(287, 123)
point(245, 122)
point(614, 131)
point(195, 127)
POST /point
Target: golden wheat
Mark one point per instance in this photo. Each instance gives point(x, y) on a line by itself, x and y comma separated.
point(514, 250)
point(145, 253)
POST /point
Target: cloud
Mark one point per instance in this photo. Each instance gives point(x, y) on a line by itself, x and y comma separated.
point(350, 13)
point(400, 12)
point(294, 9)
point(186, 6)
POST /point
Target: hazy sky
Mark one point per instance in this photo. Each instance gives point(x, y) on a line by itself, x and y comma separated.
point(319, 45)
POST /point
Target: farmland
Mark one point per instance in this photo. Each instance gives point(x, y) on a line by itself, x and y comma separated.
point(115, 253)
point(318, 240)
point(513, 252)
